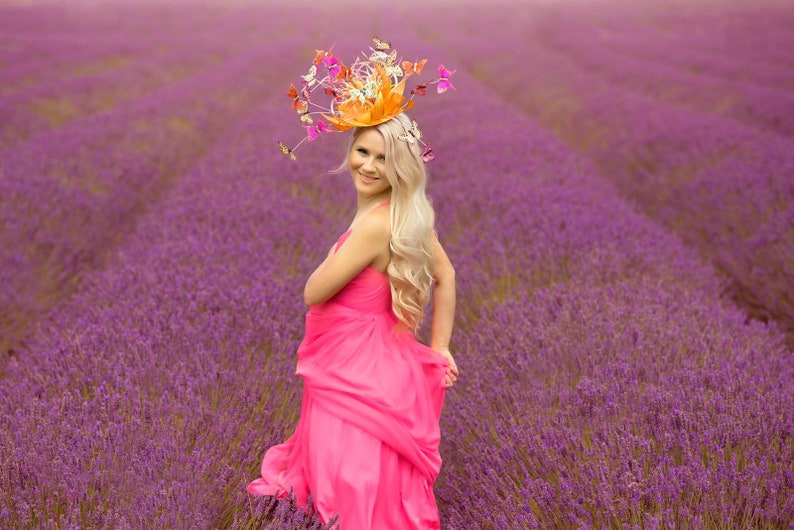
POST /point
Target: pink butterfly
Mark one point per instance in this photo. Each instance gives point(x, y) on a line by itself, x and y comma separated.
point(427, 154)
point(314, 131)
point(443, 83)
point(333, 65)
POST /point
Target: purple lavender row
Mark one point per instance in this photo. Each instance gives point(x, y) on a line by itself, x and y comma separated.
point(626, 36)
point(23, 69)
point(45, 43)
point(757, 33)
point(31, 58)
point(769, 108)
point(71, 194)
point(701, 176)
point(121, 75)
point(49, 106)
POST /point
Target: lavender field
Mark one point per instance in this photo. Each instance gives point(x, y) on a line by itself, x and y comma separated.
point(614, 183)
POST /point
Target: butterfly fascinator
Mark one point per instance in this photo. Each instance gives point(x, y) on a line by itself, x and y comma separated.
point(334, 97)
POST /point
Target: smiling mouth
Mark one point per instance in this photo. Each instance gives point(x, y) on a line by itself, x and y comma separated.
point(368, 178)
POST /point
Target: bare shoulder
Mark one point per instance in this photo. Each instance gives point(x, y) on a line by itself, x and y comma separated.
point(375, 226)
point(370, 239)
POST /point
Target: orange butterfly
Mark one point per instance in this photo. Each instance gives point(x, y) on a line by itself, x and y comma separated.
point(344, 72)
point(293, 92)
point(411, 68)
point(320, 54)
point(300, 106)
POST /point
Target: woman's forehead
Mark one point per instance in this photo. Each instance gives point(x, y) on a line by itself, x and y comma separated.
point(372, 139)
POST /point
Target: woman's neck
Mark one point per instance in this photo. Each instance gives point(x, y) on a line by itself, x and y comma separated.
point(366, 203)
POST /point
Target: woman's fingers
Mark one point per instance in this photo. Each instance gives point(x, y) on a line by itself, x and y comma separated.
point(451, 373)
point(453, 367)
point(449, 379)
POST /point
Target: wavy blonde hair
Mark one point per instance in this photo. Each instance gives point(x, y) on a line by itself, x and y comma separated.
point(410, 270)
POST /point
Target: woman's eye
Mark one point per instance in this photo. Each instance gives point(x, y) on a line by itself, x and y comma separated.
point(362, 151)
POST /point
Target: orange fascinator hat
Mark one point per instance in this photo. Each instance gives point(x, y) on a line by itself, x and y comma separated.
point(369, 92)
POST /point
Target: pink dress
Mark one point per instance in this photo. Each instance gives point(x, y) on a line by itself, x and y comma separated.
point(366, 445)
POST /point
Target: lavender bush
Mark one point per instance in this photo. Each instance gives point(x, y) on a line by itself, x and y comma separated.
point(85, 74)
point(723, 186)
point(72, 193)
point(767, 107)
point(607, 381)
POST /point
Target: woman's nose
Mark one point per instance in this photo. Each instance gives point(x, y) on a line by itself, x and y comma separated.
point(368, 165)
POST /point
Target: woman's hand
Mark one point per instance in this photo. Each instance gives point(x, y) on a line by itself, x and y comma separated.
point(451, 374)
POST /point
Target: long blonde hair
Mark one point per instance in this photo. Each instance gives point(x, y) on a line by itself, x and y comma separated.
point(410, 270)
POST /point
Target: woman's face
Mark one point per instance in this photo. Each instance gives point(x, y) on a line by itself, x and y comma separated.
point(367, 161)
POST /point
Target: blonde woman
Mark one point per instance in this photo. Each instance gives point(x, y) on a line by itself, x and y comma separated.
point(366, 446)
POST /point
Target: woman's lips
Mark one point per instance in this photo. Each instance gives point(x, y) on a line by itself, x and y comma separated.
point(366, 179)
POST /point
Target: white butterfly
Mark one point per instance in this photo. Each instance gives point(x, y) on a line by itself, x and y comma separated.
point(394, 71)
point(310, 77)
point(412, 135)
point(381, 45)
point(386, 59)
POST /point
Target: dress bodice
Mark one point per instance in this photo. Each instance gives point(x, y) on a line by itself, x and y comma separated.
point(368, 292)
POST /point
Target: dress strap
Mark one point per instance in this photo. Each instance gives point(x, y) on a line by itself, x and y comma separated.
point(370, 211)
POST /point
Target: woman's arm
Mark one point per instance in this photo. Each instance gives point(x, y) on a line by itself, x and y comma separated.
point(443, 309)
point(368, 241)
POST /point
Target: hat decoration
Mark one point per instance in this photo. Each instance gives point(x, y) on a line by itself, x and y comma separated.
point(369, 92)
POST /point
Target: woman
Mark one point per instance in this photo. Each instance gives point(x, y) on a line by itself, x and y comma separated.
point(366, 445)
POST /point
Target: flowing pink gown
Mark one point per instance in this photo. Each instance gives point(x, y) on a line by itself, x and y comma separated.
point(366, 445)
